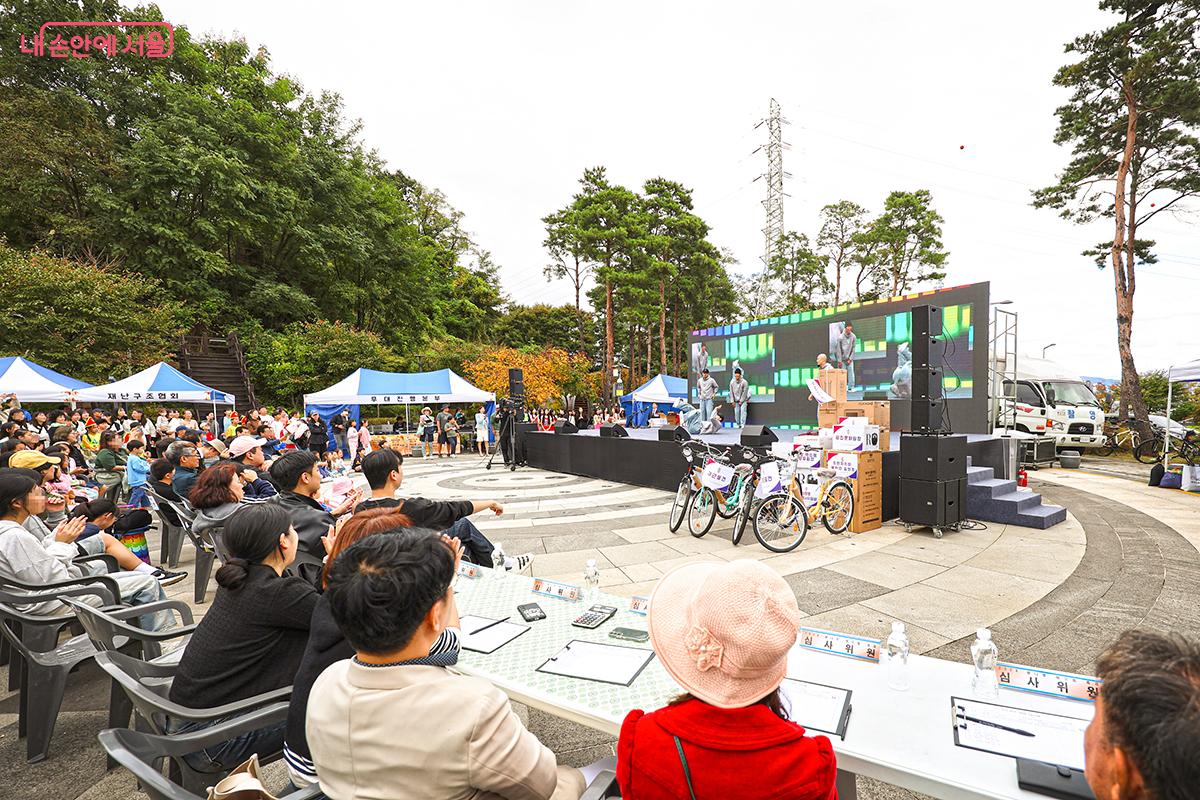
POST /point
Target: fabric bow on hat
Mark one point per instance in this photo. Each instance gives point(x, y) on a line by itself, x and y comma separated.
point(704, 647)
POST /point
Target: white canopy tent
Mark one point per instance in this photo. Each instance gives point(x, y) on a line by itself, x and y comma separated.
point(410, 388)
point(161, 382)
point(1184, 373)
point(33, 383)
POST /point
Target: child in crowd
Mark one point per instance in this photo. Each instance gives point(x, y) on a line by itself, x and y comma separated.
point(334, 465)
point(451, 428)
point(137, 471)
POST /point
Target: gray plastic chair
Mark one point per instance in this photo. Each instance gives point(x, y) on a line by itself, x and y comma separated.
point(145, 685)
point(171, 546)
point(602, 787)
point(141, 753)
point(44, 661)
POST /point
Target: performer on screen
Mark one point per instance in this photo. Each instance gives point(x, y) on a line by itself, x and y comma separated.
point(845, 351)
point(739, 397)
point(701, 359)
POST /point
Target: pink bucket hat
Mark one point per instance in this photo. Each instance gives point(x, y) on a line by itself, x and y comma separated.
point(723, 630)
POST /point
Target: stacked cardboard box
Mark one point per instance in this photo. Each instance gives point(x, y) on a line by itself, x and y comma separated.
point(864, 471)
point(871, 412)
point(833, 381)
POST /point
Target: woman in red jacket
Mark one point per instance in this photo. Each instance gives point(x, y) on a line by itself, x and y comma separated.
point(723, 632)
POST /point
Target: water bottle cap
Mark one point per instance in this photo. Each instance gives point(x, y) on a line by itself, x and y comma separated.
point(984, 634)
point(591, 562)
point(897, 627)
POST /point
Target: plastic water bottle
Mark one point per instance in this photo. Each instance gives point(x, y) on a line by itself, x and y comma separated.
point(984, 654)
point(897, 661)
point(498, 560)
point(591, 581)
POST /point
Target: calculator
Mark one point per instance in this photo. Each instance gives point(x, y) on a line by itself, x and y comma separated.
point(595, 616)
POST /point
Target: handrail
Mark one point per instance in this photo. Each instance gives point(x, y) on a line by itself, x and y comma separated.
point(235, 347)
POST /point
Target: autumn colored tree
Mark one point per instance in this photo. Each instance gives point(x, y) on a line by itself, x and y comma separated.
point(548, 372)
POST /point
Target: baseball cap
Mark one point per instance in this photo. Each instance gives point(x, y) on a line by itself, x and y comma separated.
point(244, 444)
point(704, 371)
point(30, 459)
point(218, 445)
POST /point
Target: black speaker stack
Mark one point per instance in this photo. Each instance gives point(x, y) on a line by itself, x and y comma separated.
point(516, 393)
point(933, 461)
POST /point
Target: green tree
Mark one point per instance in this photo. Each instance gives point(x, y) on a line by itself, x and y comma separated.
point(540, 326)
point(796, 275)
point(88, 321)
point(842, 226)
point(1131, 122)
point(903, 247)
point(308, 356)
point(569, 260)
point(1154, 392)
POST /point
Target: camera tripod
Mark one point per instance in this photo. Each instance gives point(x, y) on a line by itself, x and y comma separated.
point(507, 435)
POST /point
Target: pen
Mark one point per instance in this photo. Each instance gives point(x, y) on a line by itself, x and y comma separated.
point(1017, 731)
point(497, 622)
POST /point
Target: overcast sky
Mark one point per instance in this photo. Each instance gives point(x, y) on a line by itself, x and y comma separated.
point(502, 104)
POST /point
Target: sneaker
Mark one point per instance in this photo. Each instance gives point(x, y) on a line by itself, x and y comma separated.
point(518, 563)
point(168, 578)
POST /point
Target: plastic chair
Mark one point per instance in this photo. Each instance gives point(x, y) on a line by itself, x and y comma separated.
point(172, 535)
point(140, 753)
point(144, 684)
point(602, 787)
point(44, 662)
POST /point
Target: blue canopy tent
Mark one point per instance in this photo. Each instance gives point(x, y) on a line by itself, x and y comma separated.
point(159, 383)
point(33, 383)
point(661, 389)
point(409, 388)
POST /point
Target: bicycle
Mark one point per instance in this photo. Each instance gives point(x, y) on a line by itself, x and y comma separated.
point(727, 491)
point(1186, 448)
point(1120, 438)
point(783, 518)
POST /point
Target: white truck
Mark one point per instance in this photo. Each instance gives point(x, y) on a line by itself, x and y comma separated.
point(1050, 401)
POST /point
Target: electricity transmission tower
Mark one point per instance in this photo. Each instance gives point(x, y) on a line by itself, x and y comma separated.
point(773, 204)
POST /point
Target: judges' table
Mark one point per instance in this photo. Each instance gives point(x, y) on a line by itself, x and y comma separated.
point(903, 738)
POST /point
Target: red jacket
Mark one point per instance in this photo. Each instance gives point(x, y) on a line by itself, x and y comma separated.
point(747, 753)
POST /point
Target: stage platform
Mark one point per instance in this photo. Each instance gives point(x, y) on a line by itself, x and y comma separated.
point(642, 460)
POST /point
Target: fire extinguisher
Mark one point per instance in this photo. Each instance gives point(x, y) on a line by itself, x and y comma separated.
point(1022, 478)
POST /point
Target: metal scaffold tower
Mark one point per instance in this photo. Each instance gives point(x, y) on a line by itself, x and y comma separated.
point(773, 204)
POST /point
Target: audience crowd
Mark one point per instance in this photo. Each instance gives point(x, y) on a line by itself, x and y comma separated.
point(343, 604)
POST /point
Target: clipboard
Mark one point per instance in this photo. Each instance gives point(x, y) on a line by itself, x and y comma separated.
point(485, 635)
point(828, 706)
point(1018, 732)
point(591, 661)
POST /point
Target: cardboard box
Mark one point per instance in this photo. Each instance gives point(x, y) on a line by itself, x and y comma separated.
point(868, 505)
point(810, 485)
point(876, 412)
point(856, 437)
point(860, 466)
point(833, 381)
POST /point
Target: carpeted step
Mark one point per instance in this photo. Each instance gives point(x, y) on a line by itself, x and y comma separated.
point(991, 488)
point(977, 474)
point(1041, 517)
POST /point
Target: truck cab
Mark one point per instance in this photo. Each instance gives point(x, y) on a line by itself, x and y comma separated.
point(1052, 402)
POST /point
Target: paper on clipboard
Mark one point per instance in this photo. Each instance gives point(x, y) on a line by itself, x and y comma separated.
point(592, 661)
point(819, 394)
point(1018, 732)
point(485, 635)
point(817, 707)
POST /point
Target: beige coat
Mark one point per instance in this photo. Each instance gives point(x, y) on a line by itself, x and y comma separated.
point(425, 733)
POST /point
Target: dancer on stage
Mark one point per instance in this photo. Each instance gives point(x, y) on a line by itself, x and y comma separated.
point(707, 387)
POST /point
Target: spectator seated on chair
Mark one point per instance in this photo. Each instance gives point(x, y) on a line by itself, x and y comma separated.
point(249, 452)
point(252, 638)
point(297, 475)
point(326, 644)
point(127, 527)
point(723, 632)
point(1144, 737)
point(110, 462)
point(218, 493)
point(27, 558)
point(161, 472)
point(185, 457)
point(384, 472)
point(397, 722)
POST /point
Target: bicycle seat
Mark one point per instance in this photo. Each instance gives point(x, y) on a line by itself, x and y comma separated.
point(825, 473)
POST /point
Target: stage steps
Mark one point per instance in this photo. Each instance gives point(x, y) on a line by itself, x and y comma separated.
point(993, 499)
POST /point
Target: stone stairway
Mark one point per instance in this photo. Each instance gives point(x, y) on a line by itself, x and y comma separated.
point(993, 499)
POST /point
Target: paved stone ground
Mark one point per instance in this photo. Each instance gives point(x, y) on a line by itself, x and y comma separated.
point(1127, 556)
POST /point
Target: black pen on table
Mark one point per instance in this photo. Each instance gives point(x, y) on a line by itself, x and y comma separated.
point(1017, 731)
point(493, 624)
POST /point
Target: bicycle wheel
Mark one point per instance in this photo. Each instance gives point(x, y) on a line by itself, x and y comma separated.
point(1107, 449)
point(724, 509)
point(679, 507)
point(780, 524)
point(745, 507)
point(702, 510)
point(1151, 450)
point(837, 507)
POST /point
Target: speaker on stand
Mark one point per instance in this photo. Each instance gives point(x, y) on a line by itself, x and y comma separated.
point(933, 463)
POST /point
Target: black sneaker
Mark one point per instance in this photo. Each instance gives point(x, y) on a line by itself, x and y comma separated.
point(168, 578)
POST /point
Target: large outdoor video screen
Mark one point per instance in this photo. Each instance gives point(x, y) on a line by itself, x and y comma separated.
point(780, 354)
